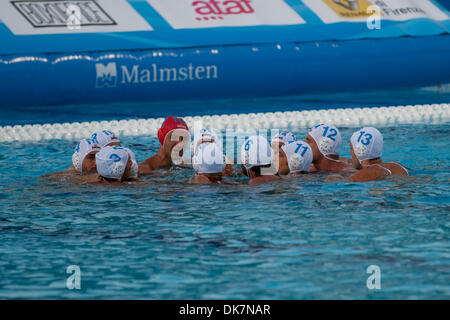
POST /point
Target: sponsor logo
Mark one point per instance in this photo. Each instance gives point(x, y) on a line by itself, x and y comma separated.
point(331, 11)
point(110, 75)
point(106, 75)
point(407, 9)
point(350, 9)
point(225, 13)
point(70, 16)
point(41, 14)
point(348, 4)
point(215, 9)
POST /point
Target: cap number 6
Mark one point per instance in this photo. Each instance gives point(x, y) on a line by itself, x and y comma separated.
point(247, 145)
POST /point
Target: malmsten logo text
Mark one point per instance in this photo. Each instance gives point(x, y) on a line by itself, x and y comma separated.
point(110, 75)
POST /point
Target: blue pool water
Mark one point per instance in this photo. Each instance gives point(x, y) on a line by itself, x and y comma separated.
point(298, 239)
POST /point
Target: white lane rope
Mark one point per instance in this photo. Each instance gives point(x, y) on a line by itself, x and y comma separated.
point(291, 120)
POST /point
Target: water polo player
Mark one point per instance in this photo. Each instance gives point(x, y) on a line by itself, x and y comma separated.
point(257, 160)
point(209, 135)
point(173, 137)
point(294, 157)
point(83, 158)
point(83, 162)
point(116, 165)
point(325, 142)
point(208, 163)
point(366, 148)
point(105, 138)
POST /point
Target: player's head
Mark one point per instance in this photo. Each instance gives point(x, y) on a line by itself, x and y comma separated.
point(105, 138)
point(208, 159)
point(256, 153)
point(366, 144)
point(324, 140)
point(83, 158)
point(295, 157)
point(117, 163)
point(173, 131)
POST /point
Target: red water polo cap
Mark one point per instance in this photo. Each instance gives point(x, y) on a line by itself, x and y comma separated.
point(170, 124)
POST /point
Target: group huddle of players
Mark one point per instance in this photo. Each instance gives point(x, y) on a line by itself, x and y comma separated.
point(102, 160)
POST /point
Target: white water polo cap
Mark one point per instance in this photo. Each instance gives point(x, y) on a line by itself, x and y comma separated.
point(204, 134)
point(256, 151)
point(82, 149)
point(284, 137)
point(208, 158)
point(112, 161)
point(299, 155)
point(367, 143)
point(104, 137)
point(328, 139)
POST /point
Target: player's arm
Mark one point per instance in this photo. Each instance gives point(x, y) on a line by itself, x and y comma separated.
point(145, 167)
point(368, 174)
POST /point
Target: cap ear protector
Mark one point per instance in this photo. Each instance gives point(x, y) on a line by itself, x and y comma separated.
point(195, 163)
point(134, 170)
point(296, 162)
point(119, 167)
point(245, 155)
point(360, 151)
point(195, 166)
point(76, 161)
point(326, 145)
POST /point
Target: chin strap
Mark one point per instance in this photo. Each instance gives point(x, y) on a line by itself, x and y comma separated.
point(332, 159)
point(376, 164)
point(134, 172)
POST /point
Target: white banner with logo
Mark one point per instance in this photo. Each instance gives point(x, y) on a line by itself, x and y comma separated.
point(190, 14)
point(331, 11)
point(75, 16)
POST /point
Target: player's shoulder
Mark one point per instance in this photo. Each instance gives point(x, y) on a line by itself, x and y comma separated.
point(396, 168)
point(368, 174)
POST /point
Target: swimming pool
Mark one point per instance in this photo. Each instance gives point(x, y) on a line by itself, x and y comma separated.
point(298, 239)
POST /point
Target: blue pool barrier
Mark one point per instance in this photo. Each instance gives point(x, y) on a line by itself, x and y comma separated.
point(170, 61)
